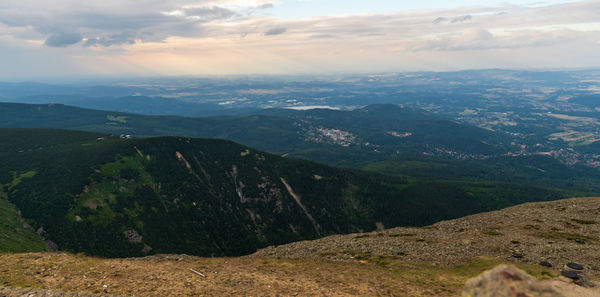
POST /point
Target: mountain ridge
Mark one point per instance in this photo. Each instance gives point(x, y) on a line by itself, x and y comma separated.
point(110, 196)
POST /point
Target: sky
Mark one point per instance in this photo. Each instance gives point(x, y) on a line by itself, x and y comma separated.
point(82, 38)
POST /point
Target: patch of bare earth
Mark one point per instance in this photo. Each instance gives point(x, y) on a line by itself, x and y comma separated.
point(191, 276)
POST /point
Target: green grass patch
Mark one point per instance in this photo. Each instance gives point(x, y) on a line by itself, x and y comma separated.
point(401, 234)
point(118, 119)
point(14, 236)
point(584, 222)
point(478, 265)
point(491, 233)
point(531, 227)
point(374, 259)
point(114, 169)
point(119, 178)
point(579, 238)
point(17, 178)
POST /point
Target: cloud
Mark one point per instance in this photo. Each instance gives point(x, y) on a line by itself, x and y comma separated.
point(204, 13)
point(461, 19)
point(120, 23)
point(221, 36)
point(266, 6)
point(276, 31)
point(458, 19)
point(440, 20)
point(321, 36)
point(106, 22)
point(109, 40)
point(63, 39)
point(482, 39)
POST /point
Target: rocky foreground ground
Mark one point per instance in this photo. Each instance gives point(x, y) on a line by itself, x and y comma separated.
point(556, 232)
point(431, 261)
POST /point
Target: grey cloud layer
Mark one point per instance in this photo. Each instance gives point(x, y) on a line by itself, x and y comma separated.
point(63, 39)
point(276, 31)
point(110, 22)
point(478, 28)
point(117, 22)
point(481, 39)
point(209, 13)
point(458, 19)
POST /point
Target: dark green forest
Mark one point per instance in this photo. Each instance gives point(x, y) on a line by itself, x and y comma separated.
point(104, 195)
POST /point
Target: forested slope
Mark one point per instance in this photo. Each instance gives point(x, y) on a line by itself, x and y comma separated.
point(108, 196)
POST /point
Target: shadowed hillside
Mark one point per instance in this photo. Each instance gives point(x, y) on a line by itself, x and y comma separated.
point(109, 196)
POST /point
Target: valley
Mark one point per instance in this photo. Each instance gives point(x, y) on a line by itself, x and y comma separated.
point(462, 152)
point(536, 112)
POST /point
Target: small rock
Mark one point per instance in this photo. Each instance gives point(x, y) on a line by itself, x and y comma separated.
point(584, 281)
point(517, 255)
point(575, 266)
point(545, 264)
point(570, 274)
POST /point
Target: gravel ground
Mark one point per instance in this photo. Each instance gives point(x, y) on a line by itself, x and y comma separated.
point(30, 292)
point(558, 232)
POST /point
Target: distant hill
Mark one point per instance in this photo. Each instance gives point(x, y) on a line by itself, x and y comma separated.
point(394, 128)
point(591, 101)
point(382, 138)
point(108, 196)
point(383, 112)
point(263, 132)
point(134, 104)
point(279, 131)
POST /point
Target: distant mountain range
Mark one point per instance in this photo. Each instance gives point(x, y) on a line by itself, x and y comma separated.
point(136, 104)
point(277, 130)
point(388, 139)
point(591, 101)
